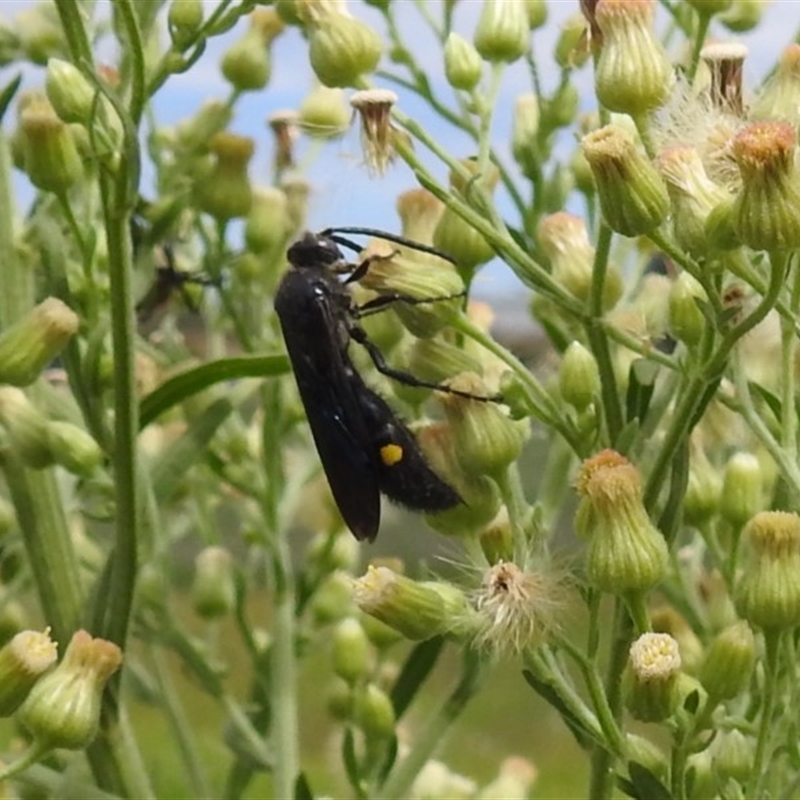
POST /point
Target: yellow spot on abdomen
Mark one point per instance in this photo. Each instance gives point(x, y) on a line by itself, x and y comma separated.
point(391, 454)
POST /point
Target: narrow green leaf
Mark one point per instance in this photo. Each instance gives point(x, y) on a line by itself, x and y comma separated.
point(302, 790)
point(179, 387)
point(7, 94)
point(416, 669)
point(551, 696)
point(641, 383)
point(646, 785)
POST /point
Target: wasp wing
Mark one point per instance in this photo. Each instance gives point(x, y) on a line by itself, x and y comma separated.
point(324, 377)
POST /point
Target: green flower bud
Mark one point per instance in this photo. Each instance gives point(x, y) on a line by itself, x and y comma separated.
point(13, 616)
point(743, 15)
point(30, 344)
point(502, 31)
point(49, 151)
point(633, 198)
point(225, 191)
point(626, 552)
point(734, 752)
point(184, 18)
point(420, 212)
point(63, 708)
point(485, 438)
point(195, 134)
point(571, 50)
point(332, 601)
point(767, 210)
point(436, 360)
point(768, 591)
point(351, 651)
point(650, 681)
point(729, 662)
point(267, 23)
point(288, 11)
point(578, 377)
point(456, 237)
point(71, 95)
point(524, 136)
point(39, 33)
point(374, 712)
point(462, 63)
point(342, 49)
point(380, 635)
point(537, 13)
point(665, 619)
point(214, 584)
point(642, 751)
point(633, 74)
point(23, 661)
point(497, 539)
point(779, 98)
point(341, 700)
point(26, 428)
point(330, 552)
point(720, 227)
point(73, 448)
point(742, 488)
point(513, 782)
point(709, 8)
point(416, 610)
point(701, 782)
point(565, 241)
point(686, 320)
point(562, 108)
point(480, 494)
point(245, 63)
point(267, 226)
point(324, 113)
point(395, 269)
point(701, 501)
point(694, 196)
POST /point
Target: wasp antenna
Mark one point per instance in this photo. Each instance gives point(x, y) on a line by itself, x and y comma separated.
point(391, 237)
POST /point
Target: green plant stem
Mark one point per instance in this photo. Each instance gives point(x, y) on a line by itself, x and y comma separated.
point(135, 52)
point(597, 338)
point(787, 382)
point(485, 222)
point(514, 499)
point(486, 108)
point(772, 640)
point(126, 408)
point(695, 395)
point(788, 467)
point(428, 739)
point(543, 664)
point(181, 728)
point(601, 782)
point(543, 405)
point(703, 21)
point(611, 729)
point(283, 674)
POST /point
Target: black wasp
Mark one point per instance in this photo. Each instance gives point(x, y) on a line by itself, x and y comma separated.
point(168, 279)
point(365, 449)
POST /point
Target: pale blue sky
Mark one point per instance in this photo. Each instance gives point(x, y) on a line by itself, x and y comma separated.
point(343, 192)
